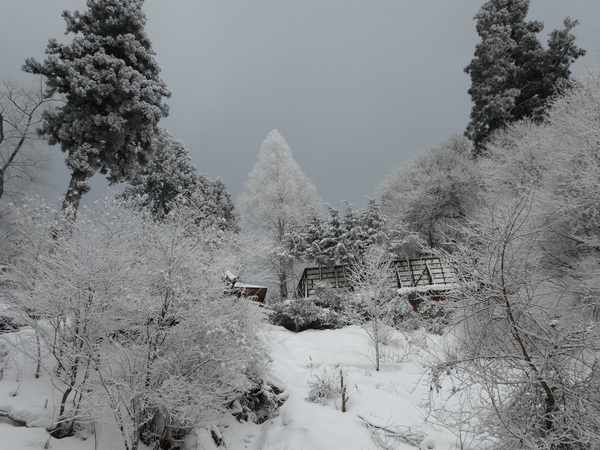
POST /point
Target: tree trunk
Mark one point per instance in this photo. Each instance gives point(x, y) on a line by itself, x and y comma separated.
point(343, 391)
point(283, 290)
point(77, 187)
point(38, 367)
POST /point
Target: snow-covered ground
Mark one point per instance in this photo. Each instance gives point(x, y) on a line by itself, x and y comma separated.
point(392, 399)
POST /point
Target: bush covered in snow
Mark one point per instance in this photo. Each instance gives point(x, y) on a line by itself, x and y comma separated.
point(304, 314)
point(130, 318)
point(326, 310)
point(432, 316)
point(332, 308)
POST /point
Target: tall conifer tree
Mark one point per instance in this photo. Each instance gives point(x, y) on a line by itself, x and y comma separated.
point(277, 197)
point(170, 179)
point(113, 95)
point(512, 75)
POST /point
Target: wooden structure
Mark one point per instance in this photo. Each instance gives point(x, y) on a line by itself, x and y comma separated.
point(249, 291)
point(423, 274)
point(254, 293)
point(412, 273)
point(335, 277)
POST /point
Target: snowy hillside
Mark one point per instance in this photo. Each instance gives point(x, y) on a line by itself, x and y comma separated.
point(393, 401)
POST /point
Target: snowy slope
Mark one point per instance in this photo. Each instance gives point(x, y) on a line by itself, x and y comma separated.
point(391, 399)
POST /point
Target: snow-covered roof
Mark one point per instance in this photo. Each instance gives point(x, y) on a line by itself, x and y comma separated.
point(426, 288)
point(247, 286)
point(429, 273)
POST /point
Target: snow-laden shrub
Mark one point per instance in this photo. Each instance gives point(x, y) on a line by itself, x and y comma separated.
point(330, 385)
point(258, 404)
point(304, 314)
point(331, 298)
point(8, 324)
point(135, 318)
point(324, 388)
point(328, 309)
point(432, 316)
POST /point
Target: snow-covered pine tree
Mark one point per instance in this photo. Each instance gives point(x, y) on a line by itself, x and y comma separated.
point(342, 239)
point(316, 241)
point(368, 228)
point(277, 197)
point(333, 232)
point(346, 250)
point(304, 242)
point(113, 95)
point(512, 75)
point(171, 178)
point(168, 174)
point(212, 201)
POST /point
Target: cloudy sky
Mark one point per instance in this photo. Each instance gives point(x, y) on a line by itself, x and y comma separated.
point(356, 87)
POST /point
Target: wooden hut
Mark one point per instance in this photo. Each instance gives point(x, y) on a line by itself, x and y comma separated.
point(249, 291)
point(411, 273)
point(335, 276)
point(427, 276)
point(254, 293)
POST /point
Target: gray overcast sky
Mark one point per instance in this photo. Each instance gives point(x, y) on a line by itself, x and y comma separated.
point(356, 87)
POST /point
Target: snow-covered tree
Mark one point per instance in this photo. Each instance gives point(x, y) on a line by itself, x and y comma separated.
point(406, 243)
point(213, 202)
point(192, 350)
point(372, 279)
point(318, 241)
point(73, 288)
point(527, 348)
point(169, 173)
point(341, 239)
point(433, 193)
point(170, 178)
point(558, 158)
point(133, 317)
point(571, 141)
point(368, 229)
point(277, 197)
point(527, 286)
point(512, 75)
point(113, 96)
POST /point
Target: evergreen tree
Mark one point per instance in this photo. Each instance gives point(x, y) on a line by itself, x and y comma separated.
point(371, 224)
point(361, 230)
point(170, 179)
point(277, 198)
point(168, 174)
point(213, 203)
point(319, 241)
point(330, 242)
point(512, 75)
point(306, 243)
point(342, 239)
point(113, 96)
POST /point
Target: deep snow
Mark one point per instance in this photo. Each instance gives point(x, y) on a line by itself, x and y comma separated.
point(394, 398)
